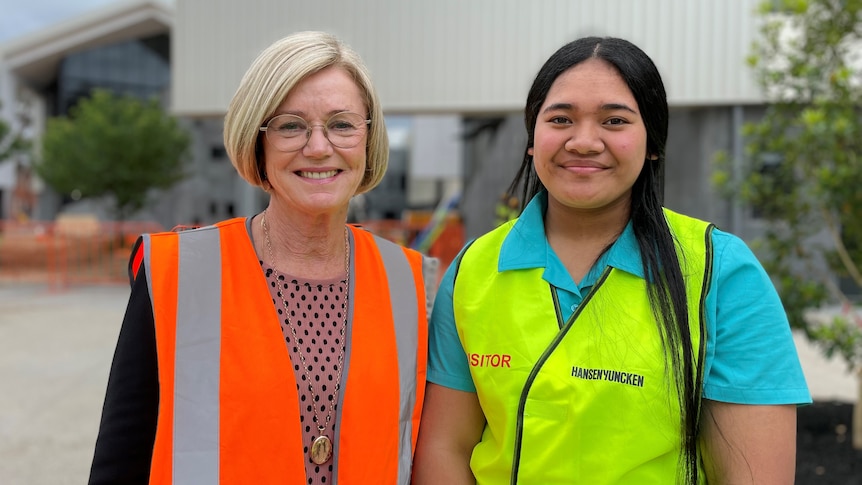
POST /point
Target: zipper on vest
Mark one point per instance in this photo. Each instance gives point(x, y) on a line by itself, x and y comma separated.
point(564, 330)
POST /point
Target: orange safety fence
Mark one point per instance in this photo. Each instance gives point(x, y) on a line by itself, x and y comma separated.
point(405, 230)
point(80, 249)
point(74, 249)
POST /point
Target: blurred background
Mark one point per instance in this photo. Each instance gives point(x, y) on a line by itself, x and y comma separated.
point(452, 76)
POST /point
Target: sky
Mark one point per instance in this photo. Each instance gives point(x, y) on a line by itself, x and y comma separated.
point(21, 17)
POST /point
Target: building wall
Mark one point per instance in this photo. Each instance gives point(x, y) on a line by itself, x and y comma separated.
point(7, 115)
point(465, 57)
point(494, 148)
point(476, 60)
point(23, 111)
point(694, 137)
point(473, 59)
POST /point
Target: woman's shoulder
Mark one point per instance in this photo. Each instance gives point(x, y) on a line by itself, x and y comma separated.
point(723, 242)
point(738, 273)
point(731, 248)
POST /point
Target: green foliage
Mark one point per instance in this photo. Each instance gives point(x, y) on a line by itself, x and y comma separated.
point(114, 146)
point(804, 161)
point(843, 332)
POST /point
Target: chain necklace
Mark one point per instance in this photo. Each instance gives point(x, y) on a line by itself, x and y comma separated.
point(321, 448)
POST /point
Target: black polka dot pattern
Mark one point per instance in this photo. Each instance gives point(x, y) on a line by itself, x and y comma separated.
point(316, 309)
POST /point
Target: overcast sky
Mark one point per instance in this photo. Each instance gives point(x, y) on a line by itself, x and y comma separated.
point(20, 17)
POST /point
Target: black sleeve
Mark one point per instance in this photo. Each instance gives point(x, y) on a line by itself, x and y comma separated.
point(124, 447)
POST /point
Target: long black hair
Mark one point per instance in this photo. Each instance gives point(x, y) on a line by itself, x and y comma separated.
point(667, 293)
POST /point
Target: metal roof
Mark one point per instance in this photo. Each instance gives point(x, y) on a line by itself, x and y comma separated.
point(34, 58)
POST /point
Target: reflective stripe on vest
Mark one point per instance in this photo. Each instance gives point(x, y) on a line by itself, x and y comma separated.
point(192, 269)
point(404, 309)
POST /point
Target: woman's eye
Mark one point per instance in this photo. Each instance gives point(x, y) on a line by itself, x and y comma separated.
point(291, 127)
point(560, 120)
point(341, 126)
point(616, 121)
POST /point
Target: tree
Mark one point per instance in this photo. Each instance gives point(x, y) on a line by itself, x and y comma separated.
point(804, 160)
point(116, 146)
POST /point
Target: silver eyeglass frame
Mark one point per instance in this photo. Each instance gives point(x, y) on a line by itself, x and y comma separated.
point(311, 127)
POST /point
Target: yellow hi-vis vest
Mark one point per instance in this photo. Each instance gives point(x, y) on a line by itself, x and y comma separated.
point(588, 400)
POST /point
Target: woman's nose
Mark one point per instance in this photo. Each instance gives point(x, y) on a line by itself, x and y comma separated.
point(318, 144)
point(585, 139)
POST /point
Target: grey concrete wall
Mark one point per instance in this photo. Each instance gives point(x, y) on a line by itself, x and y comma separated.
point(695, 135)
point(492, 156)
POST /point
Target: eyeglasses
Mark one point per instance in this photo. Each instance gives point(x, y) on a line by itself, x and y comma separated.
point(289, 133)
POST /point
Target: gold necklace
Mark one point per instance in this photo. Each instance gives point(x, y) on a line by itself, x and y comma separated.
point(321, 448)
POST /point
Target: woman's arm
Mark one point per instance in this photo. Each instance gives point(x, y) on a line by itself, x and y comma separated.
point(124, 447)
point(748, 444)
point(452, 424)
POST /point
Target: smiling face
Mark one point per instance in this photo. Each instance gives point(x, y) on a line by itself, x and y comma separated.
point(319, 178)
point(589, 140)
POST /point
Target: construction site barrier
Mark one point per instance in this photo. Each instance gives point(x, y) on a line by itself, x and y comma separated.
point(443, 243)
point(80, 249)
point(73, 250)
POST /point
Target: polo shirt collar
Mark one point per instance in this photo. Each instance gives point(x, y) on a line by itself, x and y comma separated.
point(526, 246)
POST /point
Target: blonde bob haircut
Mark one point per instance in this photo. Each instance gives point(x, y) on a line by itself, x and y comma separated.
point(267, 83)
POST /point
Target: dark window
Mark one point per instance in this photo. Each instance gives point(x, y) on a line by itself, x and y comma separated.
point(139, 68)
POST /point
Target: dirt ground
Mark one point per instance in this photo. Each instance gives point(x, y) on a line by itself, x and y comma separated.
point(825, 454)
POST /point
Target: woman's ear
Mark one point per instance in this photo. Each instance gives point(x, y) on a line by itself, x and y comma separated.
point(653, 157)
point(264, 181)
point(261, 167)
point(530, 151)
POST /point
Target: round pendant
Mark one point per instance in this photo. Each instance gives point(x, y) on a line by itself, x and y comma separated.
point(321, 450)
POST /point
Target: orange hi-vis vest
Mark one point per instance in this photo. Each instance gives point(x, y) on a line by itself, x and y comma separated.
point(228, 405)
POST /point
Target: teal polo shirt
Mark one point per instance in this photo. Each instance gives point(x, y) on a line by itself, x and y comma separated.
point(750, 354)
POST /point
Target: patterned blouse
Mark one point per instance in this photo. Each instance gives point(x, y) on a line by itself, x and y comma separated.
point(317, 310)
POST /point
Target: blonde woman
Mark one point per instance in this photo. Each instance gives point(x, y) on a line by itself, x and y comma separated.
point(287, 347)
